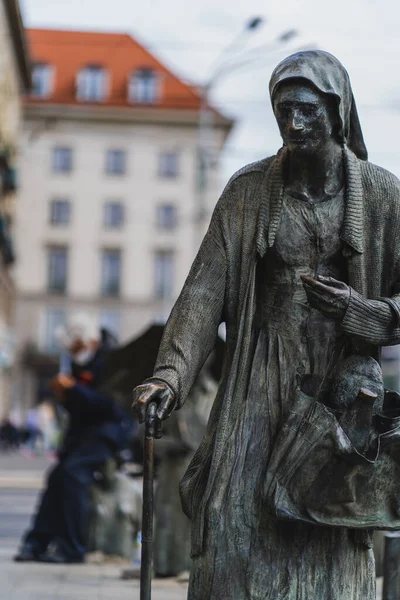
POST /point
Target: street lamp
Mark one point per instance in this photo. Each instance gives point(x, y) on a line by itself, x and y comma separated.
point(221, 68)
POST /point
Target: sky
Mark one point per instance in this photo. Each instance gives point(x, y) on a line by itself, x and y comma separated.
point(190, 36)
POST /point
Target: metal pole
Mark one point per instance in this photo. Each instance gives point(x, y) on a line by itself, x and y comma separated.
point(205, 144)
point(391, 567)
point(146, 565)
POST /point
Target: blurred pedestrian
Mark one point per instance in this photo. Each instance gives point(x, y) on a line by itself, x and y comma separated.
point(33, 432)
point(97, 430)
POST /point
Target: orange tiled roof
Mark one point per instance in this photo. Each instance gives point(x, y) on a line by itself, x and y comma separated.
point(120, 54)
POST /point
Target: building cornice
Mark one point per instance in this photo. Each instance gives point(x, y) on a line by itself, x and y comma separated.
point(19, 40)
point(128, 115)
point(68, 301)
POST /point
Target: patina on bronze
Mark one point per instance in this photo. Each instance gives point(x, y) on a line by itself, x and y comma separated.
point(302, 263)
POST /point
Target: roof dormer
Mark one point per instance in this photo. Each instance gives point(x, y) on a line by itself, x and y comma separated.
point(42, 80)
point(92, 84)
point(144, 86)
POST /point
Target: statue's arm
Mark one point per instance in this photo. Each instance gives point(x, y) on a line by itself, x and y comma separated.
point(192, 328)
point(373, 321)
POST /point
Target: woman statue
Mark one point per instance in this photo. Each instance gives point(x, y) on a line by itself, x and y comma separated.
point(302, 263)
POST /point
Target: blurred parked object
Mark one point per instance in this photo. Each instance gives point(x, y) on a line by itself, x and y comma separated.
point(115, 512)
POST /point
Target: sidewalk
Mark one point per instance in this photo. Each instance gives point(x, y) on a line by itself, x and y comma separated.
point(20, 479)
point(20, 472)
point(76, 582)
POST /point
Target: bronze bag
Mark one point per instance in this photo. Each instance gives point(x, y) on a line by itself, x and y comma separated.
point(316, 474)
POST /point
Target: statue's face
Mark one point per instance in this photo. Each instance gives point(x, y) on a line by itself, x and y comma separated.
point(307, 119)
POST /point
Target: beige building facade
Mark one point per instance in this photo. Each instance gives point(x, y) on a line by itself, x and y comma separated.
point(107, 220)
point(14, 81)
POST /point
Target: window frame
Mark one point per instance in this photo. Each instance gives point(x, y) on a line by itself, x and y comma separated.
point(49, 338)
point(60, 222)
point(113, 290)
point(163, 221)
point(61, 165)
point(47, 83)
point(110, 167)
point(164, 284)
point(144, 86)
point(55, 283)
point(164, 164)
point(109, 220)
point(86, 84)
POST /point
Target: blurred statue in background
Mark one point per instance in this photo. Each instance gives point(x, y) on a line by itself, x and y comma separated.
point(183, 433)
point(302, 263)
point(115, 512)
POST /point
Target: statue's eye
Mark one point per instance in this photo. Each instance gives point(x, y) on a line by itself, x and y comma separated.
point(309, 110)
point(283, 109)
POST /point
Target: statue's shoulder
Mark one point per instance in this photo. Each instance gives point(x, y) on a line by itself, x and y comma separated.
point(250, 173)
point(242, 184)
point(380, 181)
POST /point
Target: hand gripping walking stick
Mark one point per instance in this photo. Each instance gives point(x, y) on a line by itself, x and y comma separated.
point(152, 431)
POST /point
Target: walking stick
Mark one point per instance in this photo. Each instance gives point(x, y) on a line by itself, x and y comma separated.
point(152, 430)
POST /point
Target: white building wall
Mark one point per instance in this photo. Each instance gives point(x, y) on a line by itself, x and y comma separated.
point(87, 186)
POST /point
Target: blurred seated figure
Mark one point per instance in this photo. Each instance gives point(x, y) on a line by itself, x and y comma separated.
point(98, 428)
point(115, 512)
point(9, 435)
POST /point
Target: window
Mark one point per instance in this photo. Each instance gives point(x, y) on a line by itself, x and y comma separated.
point(110, 319)
point(166, 216)
point(60, 212)
point(55, 318)
point(111, 272)
point(62, 159)
point(92, 84)
point(168, 164)
point(113, 215)
point(143, 86)
point(42, 80)
point(57, 269)
point(115, 162)
point(164, 274)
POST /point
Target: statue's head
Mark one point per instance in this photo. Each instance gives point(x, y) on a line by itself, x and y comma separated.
point(313, 102)
point(307, 118)
point(356, 372)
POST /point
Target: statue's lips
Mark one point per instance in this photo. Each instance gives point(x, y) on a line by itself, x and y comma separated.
point(296, 140)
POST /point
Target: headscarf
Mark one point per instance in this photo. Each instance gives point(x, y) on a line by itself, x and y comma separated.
point(329, 76)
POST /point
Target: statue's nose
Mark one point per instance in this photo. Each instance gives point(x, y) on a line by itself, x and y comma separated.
point(296, 122)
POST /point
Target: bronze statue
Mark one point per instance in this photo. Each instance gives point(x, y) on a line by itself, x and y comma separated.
point(302, 263)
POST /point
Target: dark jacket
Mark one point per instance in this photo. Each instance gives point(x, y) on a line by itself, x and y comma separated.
point(94, 415)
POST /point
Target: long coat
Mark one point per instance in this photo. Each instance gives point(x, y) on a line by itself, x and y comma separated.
point(221, 287)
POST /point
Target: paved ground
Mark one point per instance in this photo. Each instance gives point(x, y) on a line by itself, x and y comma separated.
point(19, 483)
point(20, 480)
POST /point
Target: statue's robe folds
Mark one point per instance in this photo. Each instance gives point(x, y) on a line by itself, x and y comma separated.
point(240, 550)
